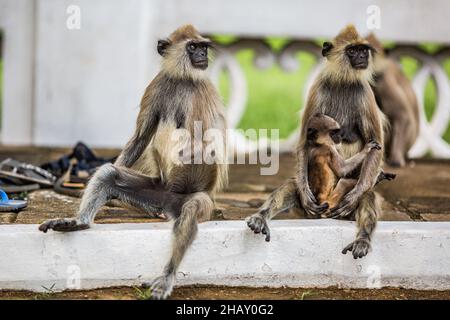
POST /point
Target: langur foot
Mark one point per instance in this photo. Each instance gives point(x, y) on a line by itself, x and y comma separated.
point(396, 162)
point(258, 224)
point(161, 287)
point(63, 225)
point(389, 176)
point(359, 248)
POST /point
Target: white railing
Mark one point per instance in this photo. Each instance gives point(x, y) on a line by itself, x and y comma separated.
point(430, 66)
point(86, 84)
point(430, 136)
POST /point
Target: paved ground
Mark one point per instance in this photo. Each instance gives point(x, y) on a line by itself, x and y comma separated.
point(421, 192)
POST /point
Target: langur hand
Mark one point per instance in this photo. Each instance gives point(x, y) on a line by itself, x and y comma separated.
point(347, 205)
point(258, 224)
point(310, 205)
point(373, 145)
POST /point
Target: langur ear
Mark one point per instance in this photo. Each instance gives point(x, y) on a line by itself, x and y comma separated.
point(372, 49)
point(327, 46)
point(162, 46)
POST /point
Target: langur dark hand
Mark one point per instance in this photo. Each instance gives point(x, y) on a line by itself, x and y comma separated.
point(373, 145)
point(257, 223)
point(310, 205)
point(347, 205)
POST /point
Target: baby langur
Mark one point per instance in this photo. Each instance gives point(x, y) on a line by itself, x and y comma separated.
point(330, 176)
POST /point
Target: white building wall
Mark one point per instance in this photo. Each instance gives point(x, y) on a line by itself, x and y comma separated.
point(89, 81)
point(62, 85)
point(17, 25)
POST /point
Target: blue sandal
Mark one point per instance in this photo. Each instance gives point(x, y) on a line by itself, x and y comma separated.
point(10, 205)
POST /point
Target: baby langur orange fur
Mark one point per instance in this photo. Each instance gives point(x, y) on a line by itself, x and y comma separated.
point(326, 167)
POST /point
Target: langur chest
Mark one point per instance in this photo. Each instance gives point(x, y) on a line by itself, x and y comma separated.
point(171, 138)
point(180, 133)
point(346, 104)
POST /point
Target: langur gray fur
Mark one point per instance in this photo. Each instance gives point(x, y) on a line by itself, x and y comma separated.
point(145, 174)
point(343, 92)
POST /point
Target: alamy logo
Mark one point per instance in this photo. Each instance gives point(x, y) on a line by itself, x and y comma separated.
point(73, 21)
point(73, 277)
point(209, 147)
point(373, 21)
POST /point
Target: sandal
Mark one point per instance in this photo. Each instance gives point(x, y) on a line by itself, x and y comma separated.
point(75, 169)
point(65, 186)
point(10, 205)
point(14, 169)
point(85, 165)
point(12, 185)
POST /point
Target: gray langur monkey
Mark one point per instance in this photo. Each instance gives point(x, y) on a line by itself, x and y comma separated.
point(396, 98)
point(343, 92)
point(145, 174)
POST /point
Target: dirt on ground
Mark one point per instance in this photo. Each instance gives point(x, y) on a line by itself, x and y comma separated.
point(234, 293)
point(420, 192)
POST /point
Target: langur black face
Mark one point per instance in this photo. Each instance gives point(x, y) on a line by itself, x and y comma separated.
point(336, 136)
point(358, 55)
point(313, 135)
point(198, 53)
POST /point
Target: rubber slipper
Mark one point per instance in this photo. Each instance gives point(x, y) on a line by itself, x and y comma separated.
point(10, 205)
point(11, 168)
point(11, 185)
point(65, 187)
point(86, 163)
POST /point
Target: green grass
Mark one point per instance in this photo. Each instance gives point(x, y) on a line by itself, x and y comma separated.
point(143, 294)
point(47, 294)
point(276, 97)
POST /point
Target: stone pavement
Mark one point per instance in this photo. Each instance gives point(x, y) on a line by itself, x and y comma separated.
point(421, 192)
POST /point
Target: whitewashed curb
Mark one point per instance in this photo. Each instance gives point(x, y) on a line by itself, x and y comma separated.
point(302, 253)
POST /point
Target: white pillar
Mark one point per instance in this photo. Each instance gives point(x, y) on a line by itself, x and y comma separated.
point(17, 25)
point(89, 81)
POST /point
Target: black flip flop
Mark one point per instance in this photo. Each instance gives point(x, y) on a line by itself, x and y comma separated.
point(14, 169)
point(64, 186)
point(86, 163)
point(10, 185)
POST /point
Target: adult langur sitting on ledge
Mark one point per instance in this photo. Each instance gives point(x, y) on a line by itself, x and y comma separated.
point(145, 174)
point(341, 91)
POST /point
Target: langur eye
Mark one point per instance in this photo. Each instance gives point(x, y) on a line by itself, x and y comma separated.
point(335, 132)
point(192, 46)
point(352, 51)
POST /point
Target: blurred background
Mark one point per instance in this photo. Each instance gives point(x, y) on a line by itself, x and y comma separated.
point(75, 70)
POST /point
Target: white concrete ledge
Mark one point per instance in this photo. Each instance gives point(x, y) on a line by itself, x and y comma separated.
point(302, 253)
